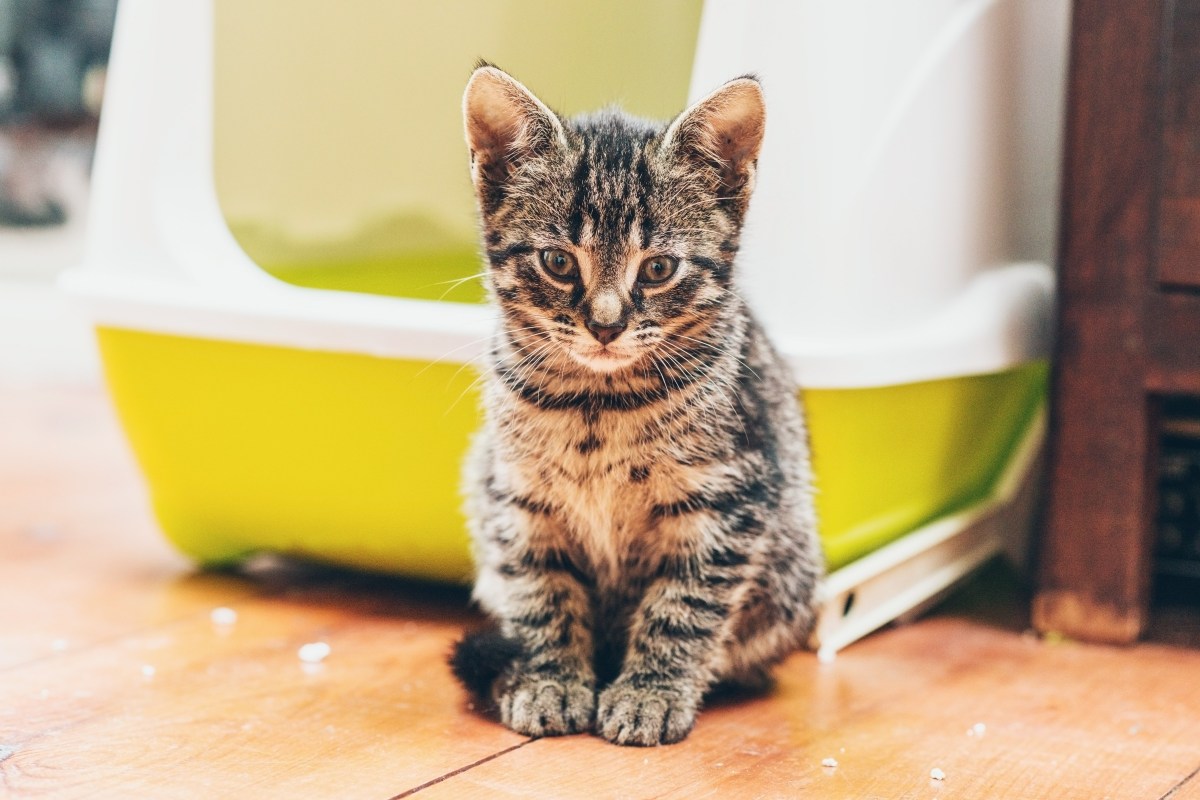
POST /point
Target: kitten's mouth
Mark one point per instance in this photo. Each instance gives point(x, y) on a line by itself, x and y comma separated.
point(603, 359)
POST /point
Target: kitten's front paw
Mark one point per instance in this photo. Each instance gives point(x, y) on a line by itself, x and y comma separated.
point(644, 716)
point(539, 706)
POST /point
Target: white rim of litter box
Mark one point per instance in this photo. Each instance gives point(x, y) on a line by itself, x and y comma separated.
point(1000, 321)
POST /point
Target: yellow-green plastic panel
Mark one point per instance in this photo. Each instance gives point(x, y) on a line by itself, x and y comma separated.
point(891, 459)
point(342, 458)
point(356, 460)
point(423, 276)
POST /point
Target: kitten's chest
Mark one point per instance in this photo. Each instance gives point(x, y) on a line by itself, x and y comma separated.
point(606, 519)
point(594, 471)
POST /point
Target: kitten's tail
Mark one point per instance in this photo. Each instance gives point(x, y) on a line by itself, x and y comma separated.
point(482, 656)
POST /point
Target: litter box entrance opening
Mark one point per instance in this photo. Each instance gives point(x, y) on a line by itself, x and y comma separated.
point(338, 142)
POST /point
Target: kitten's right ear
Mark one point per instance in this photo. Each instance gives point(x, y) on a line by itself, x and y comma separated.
point(505, 124)
point(724, 132)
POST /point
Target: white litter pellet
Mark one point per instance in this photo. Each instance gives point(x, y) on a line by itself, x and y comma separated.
point(223, 616)
point(829, 762)
point(148, 670)
point(978, 729)
point(936, 774)
point(314, 652)
point(42, 531)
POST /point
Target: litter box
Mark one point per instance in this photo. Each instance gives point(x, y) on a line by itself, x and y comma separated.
point(290, 344)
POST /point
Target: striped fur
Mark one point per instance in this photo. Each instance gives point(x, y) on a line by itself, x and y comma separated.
point(641, 511)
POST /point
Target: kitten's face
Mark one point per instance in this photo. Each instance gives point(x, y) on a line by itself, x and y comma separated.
point(610, 240)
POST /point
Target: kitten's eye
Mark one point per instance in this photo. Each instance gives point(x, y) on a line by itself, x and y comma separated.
point(657, 270)
point(560, 263)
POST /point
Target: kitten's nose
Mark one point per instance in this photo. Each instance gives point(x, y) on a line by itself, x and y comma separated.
point(605, 333)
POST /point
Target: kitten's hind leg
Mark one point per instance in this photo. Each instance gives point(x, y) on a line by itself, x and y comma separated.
point(754, 682)
point(482, 656)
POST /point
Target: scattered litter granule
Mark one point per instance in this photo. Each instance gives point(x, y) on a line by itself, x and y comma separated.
point(978, 729)
point(314, 652)
point(223, 616)
point(829, 762)
point(148, 671)
point(936, 774)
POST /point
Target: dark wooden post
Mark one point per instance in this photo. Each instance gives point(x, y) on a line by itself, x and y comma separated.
point(1095, 554)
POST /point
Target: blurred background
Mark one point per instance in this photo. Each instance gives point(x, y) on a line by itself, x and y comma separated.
point(53, 56)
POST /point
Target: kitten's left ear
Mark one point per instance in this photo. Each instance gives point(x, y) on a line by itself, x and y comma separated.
point(723, 131)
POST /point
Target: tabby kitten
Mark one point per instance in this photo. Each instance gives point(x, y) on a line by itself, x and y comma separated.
point(640, 497)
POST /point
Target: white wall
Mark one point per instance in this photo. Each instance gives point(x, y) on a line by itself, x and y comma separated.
point(42, 338)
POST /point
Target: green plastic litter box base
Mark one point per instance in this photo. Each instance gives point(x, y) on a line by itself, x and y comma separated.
point(355, 460)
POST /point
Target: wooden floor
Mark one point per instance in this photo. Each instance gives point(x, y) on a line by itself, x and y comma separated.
point(115, 681)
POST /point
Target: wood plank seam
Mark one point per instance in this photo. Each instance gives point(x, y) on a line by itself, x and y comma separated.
point(1175, 789)
point(461, 770)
